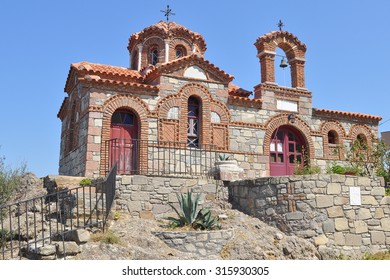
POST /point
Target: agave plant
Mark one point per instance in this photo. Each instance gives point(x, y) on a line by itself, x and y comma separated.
point(224, 157)
point(188, 209)
point(189, 215)
point(205, 220)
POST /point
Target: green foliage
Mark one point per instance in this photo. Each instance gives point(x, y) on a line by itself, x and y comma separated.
point(189, 215)
point(108, 237)
point(206, 221)
point(9, 180)
point(307, 169)
point(5, 235)
point(344, 170)
point(223, 157)
point(387, 191)
point(86, 182)
point(366, 160)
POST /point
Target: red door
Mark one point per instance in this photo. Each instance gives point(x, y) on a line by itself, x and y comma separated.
point(286, 151)
point(124, 133)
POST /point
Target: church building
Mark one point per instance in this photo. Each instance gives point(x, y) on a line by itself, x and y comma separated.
point(172, 111)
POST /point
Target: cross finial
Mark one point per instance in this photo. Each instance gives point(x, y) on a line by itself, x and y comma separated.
point(167, 12)
point(280, 25)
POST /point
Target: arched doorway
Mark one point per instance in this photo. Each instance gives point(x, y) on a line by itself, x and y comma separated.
point(287, 148)
point(123, 141)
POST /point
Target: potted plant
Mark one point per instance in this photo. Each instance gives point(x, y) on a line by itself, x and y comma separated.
point(227, 169)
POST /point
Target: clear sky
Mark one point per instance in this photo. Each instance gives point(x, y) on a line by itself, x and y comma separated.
point(347, 59)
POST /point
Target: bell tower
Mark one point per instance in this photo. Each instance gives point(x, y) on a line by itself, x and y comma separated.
point(294, 50)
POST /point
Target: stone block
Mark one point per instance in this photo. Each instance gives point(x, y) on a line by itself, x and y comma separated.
point(341, 224)
point(378, 191)
point(350, 214)
point(385, 200)
point(320, 240)
point(378, 238)
point(349, 182)
point(161, 208)
point(364, 214)
point(360, 226)
point(126, 180)
point(341, 200)
point(71, 249)
point(369, 200)
point(134, 206)
point(176, 182)
point(140, 196)
point(333, 188)
point(353, 239)
point(339, 239)
point(379, 214)
point(335, 212)
point(324, 201)
point(364, 182)
point(335, 178)
point(294, 215)
point(328, 226)
point(385, 223)
point(140, 180)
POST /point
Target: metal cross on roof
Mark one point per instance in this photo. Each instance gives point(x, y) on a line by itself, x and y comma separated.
point(167, 12)
point(280, 25)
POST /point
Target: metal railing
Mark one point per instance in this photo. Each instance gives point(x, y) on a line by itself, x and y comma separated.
point(36, 222)
point(160, 158)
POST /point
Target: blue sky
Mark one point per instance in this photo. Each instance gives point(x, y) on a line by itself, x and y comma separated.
point(347, 59)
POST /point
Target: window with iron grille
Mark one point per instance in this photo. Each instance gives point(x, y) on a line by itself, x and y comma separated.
point(154, 56)
point(193, 122)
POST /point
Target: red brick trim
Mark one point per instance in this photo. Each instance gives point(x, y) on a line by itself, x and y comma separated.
point(357, 129)
point(299, 124)
point(339, 129)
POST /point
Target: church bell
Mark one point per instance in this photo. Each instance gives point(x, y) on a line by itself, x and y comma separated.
point(283, 63)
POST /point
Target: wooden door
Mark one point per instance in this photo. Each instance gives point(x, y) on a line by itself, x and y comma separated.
point(123, 142)
point(286, 151)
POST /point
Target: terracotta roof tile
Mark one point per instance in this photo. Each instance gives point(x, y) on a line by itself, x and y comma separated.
point(347, 114)
point(192, 57)
point(107, 69)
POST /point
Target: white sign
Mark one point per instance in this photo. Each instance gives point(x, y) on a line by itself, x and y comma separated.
point(287, 105)
point(355, 197)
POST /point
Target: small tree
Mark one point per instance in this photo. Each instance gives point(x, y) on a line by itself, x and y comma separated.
point(367, 161)
point(9, 180)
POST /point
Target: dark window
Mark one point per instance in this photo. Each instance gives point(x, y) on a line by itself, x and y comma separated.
point(180, 51)
point(193, 122)
point(122, 118)
point(332, 137)
point(154, 56)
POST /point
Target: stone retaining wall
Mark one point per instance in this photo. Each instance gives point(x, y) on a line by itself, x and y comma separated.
point(319, 207)
point(149, 197)
point(204, 243)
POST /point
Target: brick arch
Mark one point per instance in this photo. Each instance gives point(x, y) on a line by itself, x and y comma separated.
point(299, 124)
point(179, 42)
point(294, 49)
point(336, 126)
point(221, 110)
point(357, 129)
point(167, 103)
point(202, 93)
point(147, 45)
point(133, 104)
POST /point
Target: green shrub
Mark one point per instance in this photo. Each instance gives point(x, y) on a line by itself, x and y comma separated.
point(387, 191)
point(86, 182)
point(307, 169)
point(9, 180)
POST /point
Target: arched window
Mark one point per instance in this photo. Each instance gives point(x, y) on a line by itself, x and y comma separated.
point(154, 56)
point(332, 137)
point(193, 122)
point(333, 147)
point(180, 51)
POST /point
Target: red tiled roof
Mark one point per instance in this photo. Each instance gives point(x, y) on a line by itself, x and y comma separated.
point(347, 114)
point(193, 57)
point(166, 29)
point(107, 69)
point(237, 91)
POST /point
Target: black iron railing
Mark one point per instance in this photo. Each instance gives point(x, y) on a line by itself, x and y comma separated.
point(36, 222)
point(160, 158)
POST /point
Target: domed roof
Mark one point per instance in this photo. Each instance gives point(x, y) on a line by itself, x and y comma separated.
point(167, 30)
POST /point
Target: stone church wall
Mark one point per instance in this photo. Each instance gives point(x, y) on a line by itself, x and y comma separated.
point(318, 207)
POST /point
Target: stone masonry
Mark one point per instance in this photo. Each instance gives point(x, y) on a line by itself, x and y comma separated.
point(318, 207)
